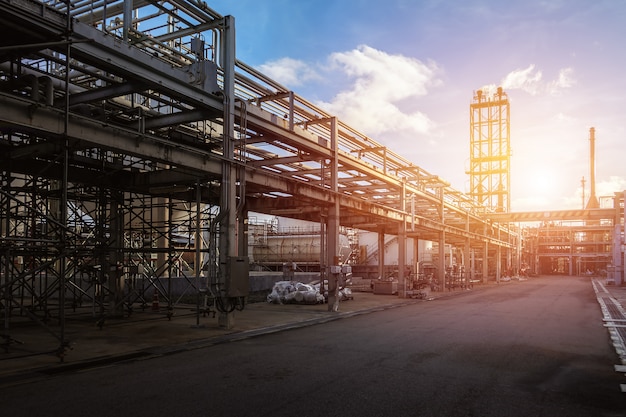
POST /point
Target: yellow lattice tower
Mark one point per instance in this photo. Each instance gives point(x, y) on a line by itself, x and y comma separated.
point(490, 150)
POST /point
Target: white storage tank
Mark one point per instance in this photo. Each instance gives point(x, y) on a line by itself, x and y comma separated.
point(301, 249)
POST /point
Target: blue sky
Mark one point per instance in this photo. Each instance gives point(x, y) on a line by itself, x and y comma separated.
point(404, 72)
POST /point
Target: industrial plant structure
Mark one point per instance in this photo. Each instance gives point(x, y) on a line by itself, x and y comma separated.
point(490, 150)
point(134, 145)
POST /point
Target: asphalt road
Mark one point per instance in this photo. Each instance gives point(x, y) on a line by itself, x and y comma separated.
point(534, 348)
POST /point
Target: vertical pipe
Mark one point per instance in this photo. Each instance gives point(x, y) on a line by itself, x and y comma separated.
point(127, 19)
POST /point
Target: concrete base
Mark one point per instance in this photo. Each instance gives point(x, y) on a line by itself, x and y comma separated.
point(333, 303)
point(226, 320)
point(423, 293)
point(385, 287)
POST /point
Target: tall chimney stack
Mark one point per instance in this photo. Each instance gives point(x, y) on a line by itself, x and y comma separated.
point(593, 200)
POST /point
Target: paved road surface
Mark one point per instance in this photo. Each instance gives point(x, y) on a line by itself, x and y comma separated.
point(537, 348)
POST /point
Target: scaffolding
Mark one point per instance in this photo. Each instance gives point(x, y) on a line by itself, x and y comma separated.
point(98, 228)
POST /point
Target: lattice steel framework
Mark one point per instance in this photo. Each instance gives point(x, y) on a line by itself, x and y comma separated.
point(130, 133)
point(93, 227)
point(490, 150)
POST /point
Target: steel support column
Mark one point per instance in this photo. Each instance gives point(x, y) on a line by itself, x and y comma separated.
point(115, 245)
point(442, 241)
point(333, 221)
point(486, 262)
point(228, 223)
point(619, 258)
point(162, 226)
point(416, 257)
point(467, 263)
point(381, 252)
point(472, 270)
point(402, 246)
point(622, 241)
point(498, 260)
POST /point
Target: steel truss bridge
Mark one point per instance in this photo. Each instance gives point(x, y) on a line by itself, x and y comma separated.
point(133, 142)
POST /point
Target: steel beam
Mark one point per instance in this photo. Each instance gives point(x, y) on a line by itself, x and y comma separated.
point(130, 62)
point(21, 114)
point(567, 215)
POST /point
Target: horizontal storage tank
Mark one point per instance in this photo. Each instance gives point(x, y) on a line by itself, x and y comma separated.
point(301, 249)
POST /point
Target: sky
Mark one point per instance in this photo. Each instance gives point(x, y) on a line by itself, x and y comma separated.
point(404, 72)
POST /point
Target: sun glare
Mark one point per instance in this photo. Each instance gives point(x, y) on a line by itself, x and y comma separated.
point(541, 181)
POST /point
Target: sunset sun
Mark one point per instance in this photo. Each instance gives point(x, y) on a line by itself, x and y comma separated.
point(542, 181)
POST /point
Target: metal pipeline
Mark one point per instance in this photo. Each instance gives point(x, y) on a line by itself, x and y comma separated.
point(40, 87)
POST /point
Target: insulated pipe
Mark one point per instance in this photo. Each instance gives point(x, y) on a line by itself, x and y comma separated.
point(33, 82)
point(48, 86)
point(90, 7)
point(56, 83)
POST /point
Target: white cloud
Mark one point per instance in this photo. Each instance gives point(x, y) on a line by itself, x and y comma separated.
point(564, 118)
point(381, 83)
point(565, 80)
point(605, 191)
point(611, 186)
point(523, 79)
point(288, 71)
point(530, 81)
